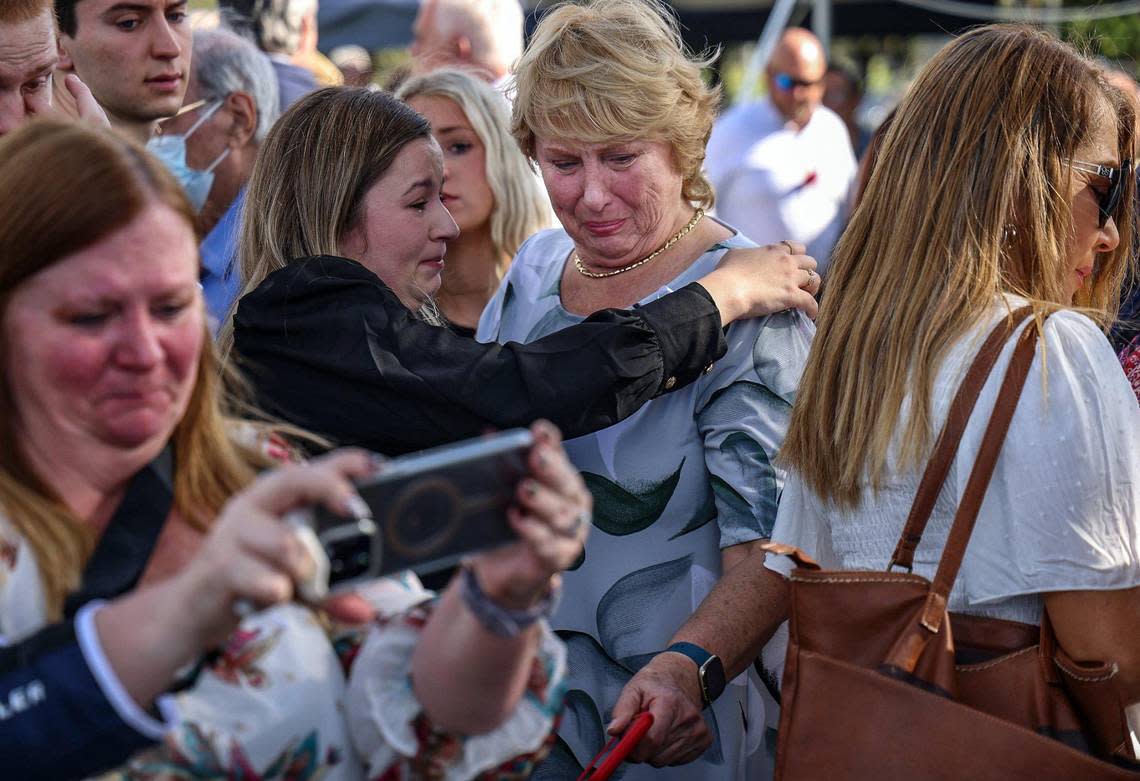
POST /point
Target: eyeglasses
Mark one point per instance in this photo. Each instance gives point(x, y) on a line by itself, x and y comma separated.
point(785, 82)
point(1110, 199)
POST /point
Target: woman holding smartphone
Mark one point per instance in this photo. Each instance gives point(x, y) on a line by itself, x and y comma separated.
point(342, 250)
point(139, 525)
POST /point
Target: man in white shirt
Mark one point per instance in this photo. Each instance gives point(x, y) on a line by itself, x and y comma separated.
point(782, 166)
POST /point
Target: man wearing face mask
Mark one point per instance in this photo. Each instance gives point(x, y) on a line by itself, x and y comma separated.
point(211, 146)
point(782, 166)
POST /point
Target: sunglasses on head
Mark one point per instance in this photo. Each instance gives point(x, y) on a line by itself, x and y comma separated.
point(785, 82)
point(1109, 200)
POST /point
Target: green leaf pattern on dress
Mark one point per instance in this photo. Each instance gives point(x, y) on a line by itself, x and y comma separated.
point(658, 554)
point(607, 666)
point(704, 515)
point(758, 472)
point(622, 510)
point(621, 612)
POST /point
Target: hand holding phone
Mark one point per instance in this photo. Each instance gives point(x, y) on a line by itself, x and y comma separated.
point(618, 749)
point(426, 511)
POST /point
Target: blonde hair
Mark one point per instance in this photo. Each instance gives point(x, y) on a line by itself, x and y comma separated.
point(521, 206)
point(968, 200)
point(315, 167)
point(67, 186)
point(616, 70)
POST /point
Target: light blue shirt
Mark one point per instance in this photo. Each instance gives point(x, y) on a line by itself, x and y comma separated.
point(221, 279)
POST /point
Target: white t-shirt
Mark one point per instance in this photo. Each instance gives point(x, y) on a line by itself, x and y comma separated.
point(774, 182)
point(1061, 510)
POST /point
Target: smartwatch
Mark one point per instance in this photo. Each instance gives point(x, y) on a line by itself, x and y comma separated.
point(710, 671)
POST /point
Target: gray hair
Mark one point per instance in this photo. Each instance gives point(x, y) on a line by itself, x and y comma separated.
point(274, 25)
point(224, 63)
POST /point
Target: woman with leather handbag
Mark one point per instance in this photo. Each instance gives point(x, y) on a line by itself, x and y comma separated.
point(964, 452)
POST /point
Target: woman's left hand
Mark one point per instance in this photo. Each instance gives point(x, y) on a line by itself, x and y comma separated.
point(552, 518)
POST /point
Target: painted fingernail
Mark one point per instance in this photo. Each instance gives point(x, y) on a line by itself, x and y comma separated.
point(357, 507)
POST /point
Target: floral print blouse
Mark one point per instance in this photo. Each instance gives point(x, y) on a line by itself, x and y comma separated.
point(290, 698)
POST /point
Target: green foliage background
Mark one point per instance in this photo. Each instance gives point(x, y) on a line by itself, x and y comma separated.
point(1115, 39)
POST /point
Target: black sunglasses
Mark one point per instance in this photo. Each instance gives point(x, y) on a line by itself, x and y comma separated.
point(1110, 199)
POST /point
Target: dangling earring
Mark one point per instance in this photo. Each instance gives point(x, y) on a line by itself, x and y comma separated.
point(1008, 235)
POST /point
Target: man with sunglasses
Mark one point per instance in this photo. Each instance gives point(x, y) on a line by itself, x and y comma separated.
point(782, 166)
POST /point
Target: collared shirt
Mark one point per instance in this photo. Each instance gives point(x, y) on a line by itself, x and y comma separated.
point(220, 276)
point(776, 182)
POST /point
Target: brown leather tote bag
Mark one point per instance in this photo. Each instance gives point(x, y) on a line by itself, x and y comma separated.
point(882, 682)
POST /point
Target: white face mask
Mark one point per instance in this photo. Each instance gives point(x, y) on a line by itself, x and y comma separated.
point(171, 150)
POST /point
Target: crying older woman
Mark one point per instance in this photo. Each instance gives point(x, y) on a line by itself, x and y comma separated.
point(660, 614)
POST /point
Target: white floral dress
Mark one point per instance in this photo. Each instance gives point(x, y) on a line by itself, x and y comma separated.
point(687, 475)
point(289, 699)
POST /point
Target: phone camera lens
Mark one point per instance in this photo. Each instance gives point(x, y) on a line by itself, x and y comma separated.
point(350, 558)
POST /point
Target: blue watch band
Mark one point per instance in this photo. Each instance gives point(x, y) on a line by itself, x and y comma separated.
point(691, 650)
point(710, 670)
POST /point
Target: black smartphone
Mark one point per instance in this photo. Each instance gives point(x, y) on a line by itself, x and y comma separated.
point(429, 510)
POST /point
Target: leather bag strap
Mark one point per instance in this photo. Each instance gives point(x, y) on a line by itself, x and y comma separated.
point(971, 503)
point(949, 438)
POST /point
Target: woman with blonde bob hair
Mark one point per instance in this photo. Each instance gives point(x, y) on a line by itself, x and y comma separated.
point(491, 191)
point(624, 90)
point(613, 109)
point(150, 591)
point(1005, 180)
point(344, 244)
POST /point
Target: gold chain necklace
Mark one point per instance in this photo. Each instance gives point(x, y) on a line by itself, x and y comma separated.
point(578, 264)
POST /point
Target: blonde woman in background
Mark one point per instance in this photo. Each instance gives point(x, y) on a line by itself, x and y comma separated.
point(494, 196)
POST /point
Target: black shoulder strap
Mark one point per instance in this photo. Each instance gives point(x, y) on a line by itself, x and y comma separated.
point(126, 546)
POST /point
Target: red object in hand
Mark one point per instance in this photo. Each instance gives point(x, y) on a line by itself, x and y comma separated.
point(810, 179)
point(624, 744)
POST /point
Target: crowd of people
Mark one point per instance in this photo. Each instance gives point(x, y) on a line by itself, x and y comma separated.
point(233, 281)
